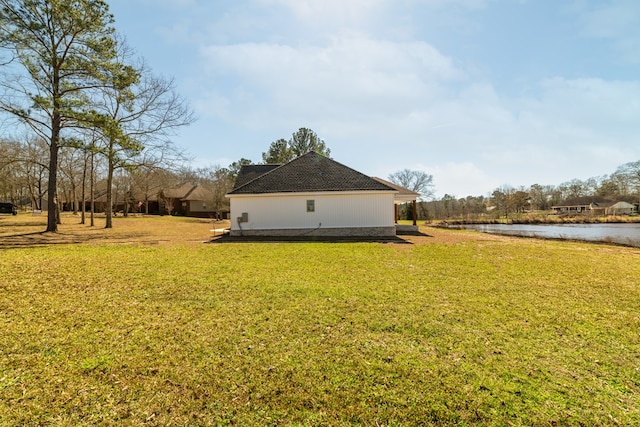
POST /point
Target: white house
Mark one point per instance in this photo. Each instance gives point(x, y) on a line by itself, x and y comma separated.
point(311, 195)
point(403, 195)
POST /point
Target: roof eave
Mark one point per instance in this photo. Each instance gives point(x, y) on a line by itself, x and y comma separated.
point(310, 192)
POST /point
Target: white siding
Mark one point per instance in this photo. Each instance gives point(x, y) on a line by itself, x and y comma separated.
point(332, 210)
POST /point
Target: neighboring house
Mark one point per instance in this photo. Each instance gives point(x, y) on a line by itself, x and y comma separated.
point(621, 208)
point(133, 203)
point(311, 195)
point(146, 200)
point(188, 200)
point(571, 209)
point(185, 200)
point(596, 208)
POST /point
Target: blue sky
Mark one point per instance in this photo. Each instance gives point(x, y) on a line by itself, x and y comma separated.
point(478, 93)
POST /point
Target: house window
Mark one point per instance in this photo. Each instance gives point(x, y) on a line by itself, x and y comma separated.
point(311, 205)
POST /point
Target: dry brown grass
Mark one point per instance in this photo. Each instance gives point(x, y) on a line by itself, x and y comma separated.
point(27, 230)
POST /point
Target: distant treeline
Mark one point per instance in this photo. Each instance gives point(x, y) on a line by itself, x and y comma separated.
point(621, 185)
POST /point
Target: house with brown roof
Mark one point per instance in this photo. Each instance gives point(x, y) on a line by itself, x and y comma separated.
point(188, 200)
point(311, 195)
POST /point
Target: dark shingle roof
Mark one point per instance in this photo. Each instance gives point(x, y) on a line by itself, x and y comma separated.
point(250, 172)
point(309, 172)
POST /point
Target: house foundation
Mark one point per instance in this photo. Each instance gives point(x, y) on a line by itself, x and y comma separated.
point(319, 232)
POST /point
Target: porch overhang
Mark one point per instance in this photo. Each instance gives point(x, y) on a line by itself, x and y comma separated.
point(403, 195)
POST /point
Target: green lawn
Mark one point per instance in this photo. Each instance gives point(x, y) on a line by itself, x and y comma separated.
point(477, 332)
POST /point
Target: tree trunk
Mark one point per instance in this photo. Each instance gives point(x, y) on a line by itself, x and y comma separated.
point(58, 217)
point(109, 208)
point(92, 191)
point(74, 193)
point(52, 217)
point(39, 202)
point(84, 186)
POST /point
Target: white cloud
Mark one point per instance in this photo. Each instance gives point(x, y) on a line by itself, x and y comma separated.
point(461, 179)
point(329, 12)
point(171, 4)
point(347, 76)
point(588, 119)
point(593, 101)
point(352, 54)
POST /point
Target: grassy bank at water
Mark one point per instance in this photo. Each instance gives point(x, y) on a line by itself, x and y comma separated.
point(542, 219)
point(458, 328)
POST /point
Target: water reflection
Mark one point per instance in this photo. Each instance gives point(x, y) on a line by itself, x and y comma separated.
point(624, 234)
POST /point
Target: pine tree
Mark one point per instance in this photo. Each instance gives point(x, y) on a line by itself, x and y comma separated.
point(56, 54)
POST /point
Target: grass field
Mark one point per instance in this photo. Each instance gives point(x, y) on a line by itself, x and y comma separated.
point(151, 324)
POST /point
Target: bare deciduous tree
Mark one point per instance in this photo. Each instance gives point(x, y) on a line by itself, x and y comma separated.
point(142, 117)
point(414, 180)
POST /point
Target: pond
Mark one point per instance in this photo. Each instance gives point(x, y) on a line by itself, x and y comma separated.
point(624, 234)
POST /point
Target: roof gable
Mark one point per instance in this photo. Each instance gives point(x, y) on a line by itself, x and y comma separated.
point(310, 172)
